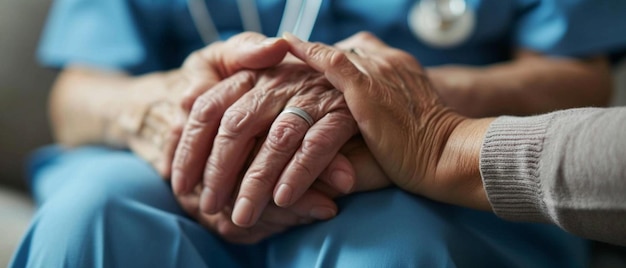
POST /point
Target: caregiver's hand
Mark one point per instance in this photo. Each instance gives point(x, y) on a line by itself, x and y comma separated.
point(412, 135)
point(244, 112)
point(152, 124)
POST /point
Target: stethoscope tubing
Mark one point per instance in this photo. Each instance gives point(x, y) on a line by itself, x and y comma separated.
point(298, 18)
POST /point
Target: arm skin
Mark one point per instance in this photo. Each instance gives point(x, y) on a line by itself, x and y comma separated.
point(530, 84)
point(566, 167)
point(86, 102)
point(95, 106)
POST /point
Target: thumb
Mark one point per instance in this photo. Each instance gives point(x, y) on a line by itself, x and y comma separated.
point(334, 63)
point(220, 60)
point(247, 50)
point(344, 75)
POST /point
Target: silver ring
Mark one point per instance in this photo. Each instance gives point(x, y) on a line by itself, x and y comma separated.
point(299, 112)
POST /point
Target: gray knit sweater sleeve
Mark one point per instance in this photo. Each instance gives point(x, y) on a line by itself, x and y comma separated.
point(567, 168)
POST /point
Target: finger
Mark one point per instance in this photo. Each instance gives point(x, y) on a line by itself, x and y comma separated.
point(201, 127)
point(284, 139)
point(222, 59)
point(339, 176)
point(331, 61)
point(319, 147)
point(368, 172)
point(220, 224)
point(279, 216)
point(314, 205)
point(242, 123)
point(361, 40)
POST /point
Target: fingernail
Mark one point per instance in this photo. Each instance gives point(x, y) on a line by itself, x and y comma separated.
point(342, 180)
point(291, 37)
point(269, 41)
point(208, 201)
point(283, 195)
point(243, 211)
point(322, 213)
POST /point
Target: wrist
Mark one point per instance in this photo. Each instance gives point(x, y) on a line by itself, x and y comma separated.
point(459, 164)
point(127, 111)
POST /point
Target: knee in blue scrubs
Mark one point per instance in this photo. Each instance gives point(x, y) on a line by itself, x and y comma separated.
point(103, 207)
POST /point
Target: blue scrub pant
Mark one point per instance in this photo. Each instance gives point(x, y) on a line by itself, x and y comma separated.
point(106, 208)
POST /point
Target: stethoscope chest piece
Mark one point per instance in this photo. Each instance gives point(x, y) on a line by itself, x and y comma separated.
point(442, 23)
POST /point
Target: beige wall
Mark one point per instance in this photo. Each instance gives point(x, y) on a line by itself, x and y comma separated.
point(23, 86)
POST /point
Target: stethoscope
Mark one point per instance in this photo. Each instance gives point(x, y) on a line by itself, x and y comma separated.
point(442, 23)
point(298, 18)
point(438, 23)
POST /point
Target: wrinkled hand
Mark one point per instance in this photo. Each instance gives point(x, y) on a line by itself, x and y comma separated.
point(243, 112)
point(400, 116)
point(153, 125)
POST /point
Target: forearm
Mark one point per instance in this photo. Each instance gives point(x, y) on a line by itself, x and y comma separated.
point(87, 104)
point(565, 168)
point(529, 85)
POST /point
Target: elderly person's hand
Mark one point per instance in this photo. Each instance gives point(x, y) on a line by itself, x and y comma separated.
point(152, 125)
point(244, 112)
point(152, 128)
point(402, 119)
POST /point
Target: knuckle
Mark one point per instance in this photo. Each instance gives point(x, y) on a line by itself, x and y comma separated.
point(318, 145)
point(317, 50)
point(301, 165)
point(212, 168)
point(235, 122)
point(285, 135)
point(343, 120)
point(243, 79)
point(257, 181)
point(338, 59)
point(204, 109)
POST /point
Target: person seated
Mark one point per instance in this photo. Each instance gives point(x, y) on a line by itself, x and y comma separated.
point(212, 121)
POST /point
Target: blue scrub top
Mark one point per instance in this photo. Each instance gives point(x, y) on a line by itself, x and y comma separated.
point(140, 36)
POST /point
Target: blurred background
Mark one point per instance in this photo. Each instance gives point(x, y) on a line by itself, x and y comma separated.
point(23, 123)
point(23, 120)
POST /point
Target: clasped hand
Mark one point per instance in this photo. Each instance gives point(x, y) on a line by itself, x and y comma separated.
point(237, 150)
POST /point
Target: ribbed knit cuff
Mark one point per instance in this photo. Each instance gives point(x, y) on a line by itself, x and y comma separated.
point(509, 166)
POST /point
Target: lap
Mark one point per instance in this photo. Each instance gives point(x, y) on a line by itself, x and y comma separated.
point(103, 207)
point(94, 186)
point(395, 229)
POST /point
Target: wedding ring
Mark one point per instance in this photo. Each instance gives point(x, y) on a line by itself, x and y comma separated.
point(300, 113)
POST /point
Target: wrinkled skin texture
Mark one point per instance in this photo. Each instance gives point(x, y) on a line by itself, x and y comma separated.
point(242, 116)
point(399, 114)
point(153, 125)
point(153, 130)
